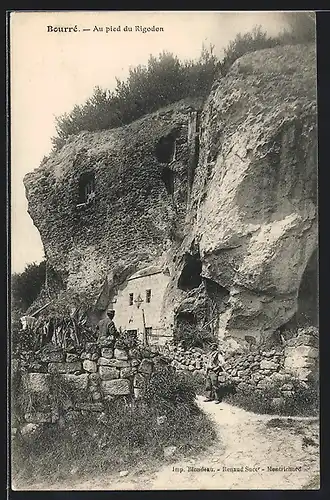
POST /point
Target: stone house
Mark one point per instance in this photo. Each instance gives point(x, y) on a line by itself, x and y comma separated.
point(138, 304)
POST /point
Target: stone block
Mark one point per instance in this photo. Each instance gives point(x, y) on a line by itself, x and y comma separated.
point(77, 382)
point(107, 352)
point(266, 364)
point(37, 382)
point(146, 366)
point(191, 368)
point(72, 357)
point(108, 373)
point(278, 377)
point(57, 356)
point(120, 354)
point(104, 362)
point(139, 381)
point(92, 347)
point(90, 366)
point(76, 366)
point(127, 372)
point(119, 387)
point(94, 378)
point(117, 363)
point(265, 383)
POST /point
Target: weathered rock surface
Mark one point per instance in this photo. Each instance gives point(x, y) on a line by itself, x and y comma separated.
point(255, 189)
point(132, 215)
point(245, 217)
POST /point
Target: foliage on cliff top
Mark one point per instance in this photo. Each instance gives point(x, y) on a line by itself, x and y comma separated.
point(166, 79)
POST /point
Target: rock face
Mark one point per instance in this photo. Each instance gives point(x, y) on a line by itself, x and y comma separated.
point(236, 230)
point(254, 197)
point(140, 177)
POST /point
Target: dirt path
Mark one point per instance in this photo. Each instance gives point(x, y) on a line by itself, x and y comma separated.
point(245, 440)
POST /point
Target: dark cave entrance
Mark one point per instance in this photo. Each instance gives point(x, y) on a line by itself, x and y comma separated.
point(190, 276)
point(165, 149)
point(307, 312)
point(167, 177)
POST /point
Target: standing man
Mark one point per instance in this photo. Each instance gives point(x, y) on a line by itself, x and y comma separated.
point(107, 332)
point(214, 366)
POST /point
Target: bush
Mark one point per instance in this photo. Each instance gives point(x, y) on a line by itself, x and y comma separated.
point(26, 286)
point(303, 401)
point(166, 79)
point(162, 81)
point(188, 335)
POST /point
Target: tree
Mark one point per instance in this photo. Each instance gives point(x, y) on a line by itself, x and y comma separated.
point(26, 286)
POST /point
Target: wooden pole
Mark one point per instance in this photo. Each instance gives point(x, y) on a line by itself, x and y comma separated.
point(145, 337)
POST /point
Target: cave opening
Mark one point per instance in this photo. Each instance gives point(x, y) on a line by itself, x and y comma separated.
point(165, 149)
point(167, 176)
point(86, 191)
point(307, 312)
point(190, 276)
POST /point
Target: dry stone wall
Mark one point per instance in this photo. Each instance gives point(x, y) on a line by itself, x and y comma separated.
point(61, 384)
point(260, 368)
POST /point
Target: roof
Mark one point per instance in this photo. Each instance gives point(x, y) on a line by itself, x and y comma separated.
point(146, 271)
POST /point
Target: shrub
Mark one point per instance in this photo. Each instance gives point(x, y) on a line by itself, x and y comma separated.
point(168, 388)
point(189, 335)
point(26, 286)
point(162, 81)
point(302, 401)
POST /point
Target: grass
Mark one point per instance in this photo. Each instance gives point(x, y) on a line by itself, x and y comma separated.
point(124, 436)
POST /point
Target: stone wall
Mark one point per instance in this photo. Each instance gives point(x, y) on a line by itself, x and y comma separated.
point(59, 384)
point(260, 367)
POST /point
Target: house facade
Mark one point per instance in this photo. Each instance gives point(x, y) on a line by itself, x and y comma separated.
point(138, 305)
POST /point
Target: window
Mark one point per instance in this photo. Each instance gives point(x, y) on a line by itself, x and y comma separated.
point(148, 296)
point(86, 188)
point(148, 331)
point(130, 299)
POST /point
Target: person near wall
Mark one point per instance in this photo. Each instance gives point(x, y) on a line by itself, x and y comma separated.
point(214, 369)
point(106, 330)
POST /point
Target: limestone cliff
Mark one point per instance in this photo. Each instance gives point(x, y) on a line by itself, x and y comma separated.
point(236, 230)
point(254, 199)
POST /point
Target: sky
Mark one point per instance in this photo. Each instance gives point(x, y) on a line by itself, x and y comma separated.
point(50, 72)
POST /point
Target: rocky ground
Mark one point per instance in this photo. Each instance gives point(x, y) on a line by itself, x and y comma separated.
point(245, 440)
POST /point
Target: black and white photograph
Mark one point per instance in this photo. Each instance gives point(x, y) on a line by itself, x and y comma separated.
point(164, 316)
